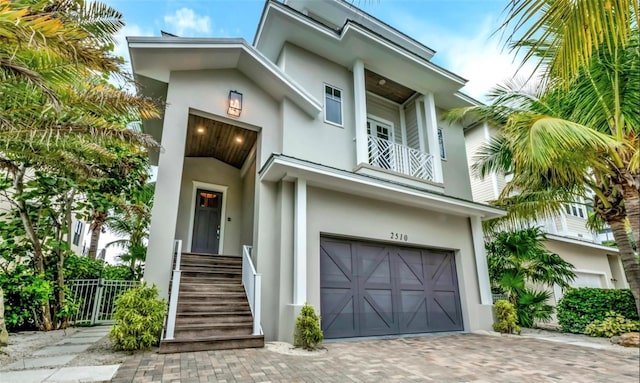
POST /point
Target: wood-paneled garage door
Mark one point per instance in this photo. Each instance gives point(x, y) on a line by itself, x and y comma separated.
point(369, 288)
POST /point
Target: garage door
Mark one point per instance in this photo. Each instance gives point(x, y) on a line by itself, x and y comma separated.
point(371, 288)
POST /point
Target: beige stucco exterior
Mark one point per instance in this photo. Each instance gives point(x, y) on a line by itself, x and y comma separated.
point(314, 189)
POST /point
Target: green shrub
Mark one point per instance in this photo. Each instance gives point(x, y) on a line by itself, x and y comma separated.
point(579, 307)
point(139, 315)
point(24, 291)
point(614, 324)
point(506, 319)
point(308, 334)
point(76, 267)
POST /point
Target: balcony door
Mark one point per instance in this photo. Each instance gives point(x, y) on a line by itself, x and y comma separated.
point(380, 143)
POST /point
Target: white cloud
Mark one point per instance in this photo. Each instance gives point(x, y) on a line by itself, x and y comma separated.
point(477, 57)
point(185, 22)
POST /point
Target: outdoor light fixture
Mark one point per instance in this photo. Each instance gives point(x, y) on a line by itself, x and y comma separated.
point(235, 103)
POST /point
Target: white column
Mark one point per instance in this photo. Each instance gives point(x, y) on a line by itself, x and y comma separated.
point(421, 138)
point(360, 110)
point(300, 243)
point(164, 213)
point(484, 284)
point(432, 134)
point(403, 125)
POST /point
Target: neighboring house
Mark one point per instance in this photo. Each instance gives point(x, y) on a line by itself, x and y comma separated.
point(334, 164)
point(596, 265)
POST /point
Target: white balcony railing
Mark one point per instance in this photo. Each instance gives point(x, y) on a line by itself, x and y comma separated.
point(252, 284)
point(399, 158)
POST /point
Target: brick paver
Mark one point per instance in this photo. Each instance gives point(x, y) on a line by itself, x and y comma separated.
point(450, 358)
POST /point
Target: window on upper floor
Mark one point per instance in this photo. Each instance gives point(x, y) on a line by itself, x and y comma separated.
point(77, 233)
point(443, 154)
point(332, 105)
point(575, 210)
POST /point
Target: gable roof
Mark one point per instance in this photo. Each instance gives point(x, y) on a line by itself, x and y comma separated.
point(157, 57)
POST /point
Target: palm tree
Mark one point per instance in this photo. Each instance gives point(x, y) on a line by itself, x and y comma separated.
point(517, 260)
point(57, 112)
point(576, 133)
point(133, 221)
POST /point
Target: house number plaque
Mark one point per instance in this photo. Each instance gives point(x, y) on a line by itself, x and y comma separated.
point(399, 236)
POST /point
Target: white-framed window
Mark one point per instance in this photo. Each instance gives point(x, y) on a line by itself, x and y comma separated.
point(77, 233)
point(443, 153)
point(575, 210)
point(332, 105)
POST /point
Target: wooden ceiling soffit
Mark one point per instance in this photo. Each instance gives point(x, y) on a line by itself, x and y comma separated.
point(386, 88)
point(225, 142)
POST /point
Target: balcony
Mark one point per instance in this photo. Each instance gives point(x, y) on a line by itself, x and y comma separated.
point(399, 158)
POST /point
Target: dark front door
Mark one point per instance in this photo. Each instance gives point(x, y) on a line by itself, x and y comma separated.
point(369, 288)
point(206, 222)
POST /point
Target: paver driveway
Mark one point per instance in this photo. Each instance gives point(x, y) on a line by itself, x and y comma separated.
point(449, 358)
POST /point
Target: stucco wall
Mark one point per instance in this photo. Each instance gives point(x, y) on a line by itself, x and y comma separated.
point(335, 213)
point(207, 93)
point(212, 171)
point(455, 168)
point(315, 140)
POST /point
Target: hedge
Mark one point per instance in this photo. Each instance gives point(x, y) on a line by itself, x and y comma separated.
point(581, 306)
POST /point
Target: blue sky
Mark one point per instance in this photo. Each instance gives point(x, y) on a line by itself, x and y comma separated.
point(461, 31)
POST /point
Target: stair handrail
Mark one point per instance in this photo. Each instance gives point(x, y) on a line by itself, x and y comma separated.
point(252, 281)
point(175, 290)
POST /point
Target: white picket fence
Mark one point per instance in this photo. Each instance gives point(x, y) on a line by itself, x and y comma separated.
point(97, 298)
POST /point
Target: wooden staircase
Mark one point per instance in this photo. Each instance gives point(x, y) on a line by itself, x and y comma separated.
point(213, 311)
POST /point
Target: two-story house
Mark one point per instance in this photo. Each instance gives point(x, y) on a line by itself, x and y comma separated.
point(596, 265)
point(319, 155)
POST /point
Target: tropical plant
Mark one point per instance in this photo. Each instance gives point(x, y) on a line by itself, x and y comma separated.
point(518, 260)
point(613, 324)
point(308, 334)
point(579, 307)
point(139, 315)
point(133, 220)
point(506, 319)
point(58, 113)
point(575, 134)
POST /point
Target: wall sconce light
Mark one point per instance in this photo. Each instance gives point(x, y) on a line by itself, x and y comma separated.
point(235, 103)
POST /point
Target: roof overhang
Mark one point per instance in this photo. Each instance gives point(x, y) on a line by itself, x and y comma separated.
point(282, 167)
point(155, 58)
point(280, 24)
point(582, 243)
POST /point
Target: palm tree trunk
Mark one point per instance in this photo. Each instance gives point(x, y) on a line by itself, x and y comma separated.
point(96, 228)
point(629, 261)
point(38, 255)
point(631, 196)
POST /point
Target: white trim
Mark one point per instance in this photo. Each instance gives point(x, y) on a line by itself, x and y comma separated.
point(560, 238)
point(431, 120)
point(373, 117)
point(300, 243)
point(482, 269)
point(350, 27)
point(403, 124)
point(384, 99)
point(420, 126)
point(207, 45)
point(251, 158)
point(324, 104)
point(223, 214)
point(273, 171)
point(360, 112)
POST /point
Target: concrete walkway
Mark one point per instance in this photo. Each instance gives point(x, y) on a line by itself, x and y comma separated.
point(46, 364)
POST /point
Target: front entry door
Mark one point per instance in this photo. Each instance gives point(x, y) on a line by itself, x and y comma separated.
point(206, 222)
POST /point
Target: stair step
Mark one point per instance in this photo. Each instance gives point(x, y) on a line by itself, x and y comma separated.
point(201, 330)
point(216, 294)
point(211, 343)
point(233, 286)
